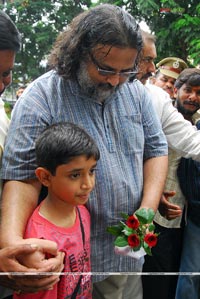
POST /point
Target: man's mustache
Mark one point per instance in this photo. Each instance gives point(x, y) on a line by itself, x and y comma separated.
point(168, 88)
point(192, 103)
point(146, 76)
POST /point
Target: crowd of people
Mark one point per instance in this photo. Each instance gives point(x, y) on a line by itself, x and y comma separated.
point(103, 132)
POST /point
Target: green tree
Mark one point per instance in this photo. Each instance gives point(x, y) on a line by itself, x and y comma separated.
point(39, 22)
point(176, 24)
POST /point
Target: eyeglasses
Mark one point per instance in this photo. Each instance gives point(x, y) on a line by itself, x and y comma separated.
point(103, 72)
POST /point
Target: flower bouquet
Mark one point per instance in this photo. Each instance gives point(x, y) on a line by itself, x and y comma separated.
point(135, 235)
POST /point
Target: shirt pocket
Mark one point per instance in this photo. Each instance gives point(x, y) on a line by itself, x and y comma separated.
point(130, 134)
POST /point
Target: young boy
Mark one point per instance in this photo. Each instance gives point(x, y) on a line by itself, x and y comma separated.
point(66, 158)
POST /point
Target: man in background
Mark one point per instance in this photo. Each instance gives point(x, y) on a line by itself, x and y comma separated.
point(188, 285)
point(168, 70)
point(183, 140)
point(19, 91)
point(173, 123)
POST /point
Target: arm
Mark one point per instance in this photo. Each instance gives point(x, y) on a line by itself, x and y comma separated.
point(19, 201)
point(155, 156)
point(181, 135)
point(20, 195)
point(155, 172)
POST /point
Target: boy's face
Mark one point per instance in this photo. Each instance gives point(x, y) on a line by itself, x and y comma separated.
point(73, 181)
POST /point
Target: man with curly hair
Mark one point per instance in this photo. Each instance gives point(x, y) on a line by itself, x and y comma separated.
point(92, 62)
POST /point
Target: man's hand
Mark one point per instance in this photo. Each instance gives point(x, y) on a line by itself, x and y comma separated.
point(8, 257)
point(169, 210)
point(30, 280)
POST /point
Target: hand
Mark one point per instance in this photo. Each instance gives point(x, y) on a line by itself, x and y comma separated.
point(9, 263)
point(42, 279)
point(35, 280)
point(168, 210)
point(53, 264)
point(8, 257)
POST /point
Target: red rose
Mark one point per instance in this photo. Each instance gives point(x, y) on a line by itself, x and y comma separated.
point(133, 240)
point(151, 239)
point(132, 222)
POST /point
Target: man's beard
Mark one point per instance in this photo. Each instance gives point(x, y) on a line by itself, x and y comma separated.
point(98, 91)
point(144, 77)
point(185, 111)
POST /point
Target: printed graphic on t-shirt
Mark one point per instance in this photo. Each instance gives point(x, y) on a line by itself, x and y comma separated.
point(77, 267)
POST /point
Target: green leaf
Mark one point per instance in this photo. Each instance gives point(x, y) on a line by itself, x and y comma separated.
point(114, 230)
point(147, 248)
point(121, 241)
point(145, 215)
point(122, 224)
point(151, 227)
point(124, 216)
point(128, 231)
point(137, 248)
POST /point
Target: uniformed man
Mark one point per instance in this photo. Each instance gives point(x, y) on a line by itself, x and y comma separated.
point(168, 70)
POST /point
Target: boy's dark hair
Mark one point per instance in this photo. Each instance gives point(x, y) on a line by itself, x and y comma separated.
point(190, 76)
point(9, 35)
point(60, 143)
point(104, 24)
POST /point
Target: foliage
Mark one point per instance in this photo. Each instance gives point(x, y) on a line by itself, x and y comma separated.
point(175, 23)
point(39, 22)
point(8, 108)
point(136, 231)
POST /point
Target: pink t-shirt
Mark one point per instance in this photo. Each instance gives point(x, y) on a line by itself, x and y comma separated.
point(77, 255)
